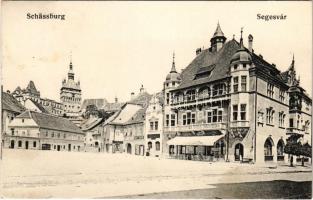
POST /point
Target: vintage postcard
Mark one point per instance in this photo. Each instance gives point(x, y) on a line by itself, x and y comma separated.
point(156, 99)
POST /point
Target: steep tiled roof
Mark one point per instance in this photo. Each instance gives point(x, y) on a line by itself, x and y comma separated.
point(99, 103)
point(91, 123)
point(206, 59)
point(112, 107)
point(51, 122)
point(139, 117)
point(32, 88)
point(11, 104)
point(39, 106)
point(141, 99)
point(127, 112)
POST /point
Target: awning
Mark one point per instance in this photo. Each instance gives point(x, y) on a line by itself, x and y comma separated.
point(195, 140)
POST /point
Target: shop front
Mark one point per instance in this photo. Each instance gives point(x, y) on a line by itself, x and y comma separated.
point(200, 148)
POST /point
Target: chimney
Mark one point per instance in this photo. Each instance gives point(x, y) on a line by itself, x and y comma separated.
point(198, 51)
point(132, 95)
point(250, 40)
point(116, 99)
point(8, 91)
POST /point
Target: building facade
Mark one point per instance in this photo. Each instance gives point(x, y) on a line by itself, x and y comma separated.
point(231, 104)
point(33, 130)
point(154, 126)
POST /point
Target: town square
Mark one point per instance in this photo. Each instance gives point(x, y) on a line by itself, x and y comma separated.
point(217, 112)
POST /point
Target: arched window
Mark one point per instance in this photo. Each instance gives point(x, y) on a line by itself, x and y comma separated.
point(157, 146)
point(268, 153)
point(149, 145)
point(280, 150)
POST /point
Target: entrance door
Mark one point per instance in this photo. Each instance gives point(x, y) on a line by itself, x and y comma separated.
point(69, 147)
point(129, 148)
point(58, 147)
point(238, 152)
point(12, 144)
point(26, 145)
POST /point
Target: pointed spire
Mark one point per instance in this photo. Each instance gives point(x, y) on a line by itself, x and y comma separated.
point(241, 40)
point(173, 64)
point(292, 65)
point(218, 31)
point(71, 64)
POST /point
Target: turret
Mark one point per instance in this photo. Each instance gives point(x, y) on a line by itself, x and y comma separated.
point(218, 39)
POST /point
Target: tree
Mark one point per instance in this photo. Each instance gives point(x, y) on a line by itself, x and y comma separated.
point(294, 147)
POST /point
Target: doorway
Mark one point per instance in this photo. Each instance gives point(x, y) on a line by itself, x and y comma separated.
point(69, 147)
point(12, 144)
point(26, 145)
point(58, 148)
point(129, 148)
point(238, 152)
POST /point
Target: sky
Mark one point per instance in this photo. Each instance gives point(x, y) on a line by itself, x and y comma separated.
point(118, 46)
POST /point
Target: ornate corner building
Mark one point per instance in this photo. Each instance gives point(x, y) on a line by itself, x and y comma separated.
point(231, 104)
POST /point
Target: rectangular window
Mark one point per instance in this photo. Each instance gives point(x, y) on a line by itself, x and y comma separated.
point(291, 123)
point(243, 83)
point(281, 95)
point(167, 120)
point(270, 90)
point(269, 116)
point(220, 116)
point(214, 118)
point(193, 118)
point(235, 112)
point(173, 119)
point(235, 85)
point(188, 118)
point(243, 111)
point(281, 119)
point(151, 125)
point(184, 119)
point(167, 98)
point(156, 125)
point(209, 117)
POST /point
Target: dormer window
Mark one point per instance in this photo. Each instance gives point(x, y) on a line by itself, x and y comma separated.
point(244, 65)
point(235, 67)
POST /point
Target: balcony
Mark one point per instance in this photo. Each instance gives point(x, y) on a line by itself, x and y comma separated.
point(292, 130)
point(198, 99)
point(196, 127)
point(235, 124)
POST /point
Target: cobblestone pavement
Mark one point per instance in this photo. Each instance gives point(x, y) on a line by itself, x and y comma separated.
point(42, 174)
